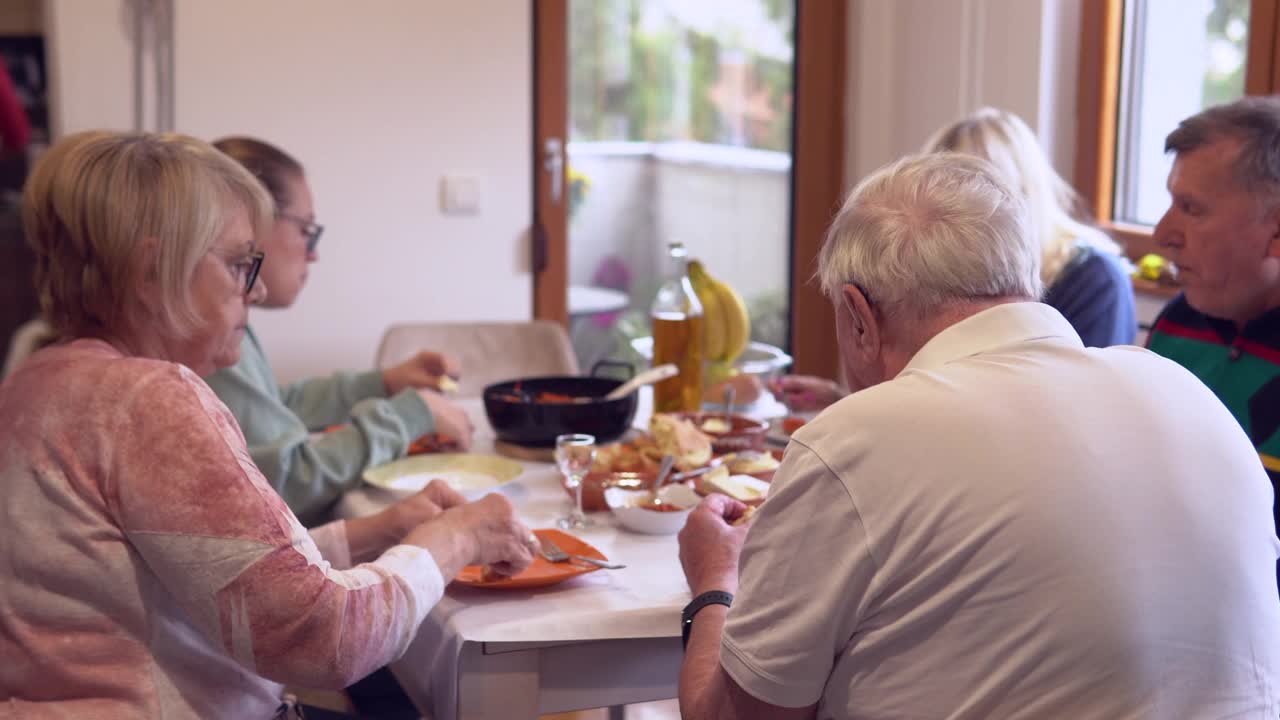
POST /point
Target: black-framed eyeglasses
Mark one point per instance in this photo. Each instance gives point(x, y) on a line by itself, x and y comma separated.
point(244, 268)
point(311, 230)
point(249, 268)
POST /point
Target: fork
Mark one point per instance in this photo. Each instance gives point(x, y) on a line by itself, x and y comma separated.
point(553, 553)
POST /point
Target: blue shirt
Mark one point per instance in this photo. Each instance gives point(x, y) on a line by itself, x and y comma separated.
point(1094, 293)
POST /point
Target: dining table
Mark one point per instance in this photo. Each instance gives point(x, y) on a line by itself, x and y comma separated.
point(601, 639)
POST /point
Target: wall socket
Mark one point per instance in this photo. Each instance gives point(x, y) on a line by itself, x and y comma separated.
point(460, 194)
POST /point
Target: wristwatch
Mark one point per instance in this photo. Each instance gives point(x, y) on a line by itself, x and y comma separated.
point(710, 597)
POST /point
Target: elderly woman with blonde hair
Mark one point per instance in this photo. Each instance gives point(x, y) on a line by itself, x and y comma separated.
point(1083, 270)
point(148, 569)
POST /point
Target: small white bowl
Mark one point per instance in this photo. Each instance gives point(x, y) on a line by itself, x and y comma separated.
point(626, 506)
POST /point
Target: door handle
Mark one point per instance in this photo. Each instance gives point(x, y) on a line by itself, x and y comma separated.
point(553, 164)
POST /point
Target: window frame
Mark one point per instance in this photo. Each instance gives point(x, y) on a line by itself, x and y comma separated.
point(1098, 103)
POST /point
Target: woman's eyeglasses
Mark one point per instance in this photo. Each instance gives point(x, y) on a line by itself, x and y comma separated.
point(311, 230)
point(244, 268)
point(248, 268)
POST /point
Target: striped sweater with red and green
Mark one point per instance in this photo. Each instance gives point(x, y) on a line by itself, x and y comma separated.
point(1240, 365)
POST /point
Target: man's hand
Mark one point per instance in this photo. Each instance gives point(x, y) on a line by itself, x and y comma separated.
point(710, 545)
point(450, 419)
point(423, 370)
point(709, 549)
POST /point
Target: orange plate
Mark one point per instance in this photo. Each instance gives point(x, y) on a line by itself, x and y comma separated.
point(540, 573)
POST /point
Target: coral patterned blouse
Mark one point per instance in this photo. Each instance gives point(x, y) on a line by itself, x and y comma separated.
point(148, 570)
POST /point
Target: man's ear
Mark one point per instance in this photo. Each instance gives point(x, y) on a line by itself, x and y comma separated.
point(863, 322)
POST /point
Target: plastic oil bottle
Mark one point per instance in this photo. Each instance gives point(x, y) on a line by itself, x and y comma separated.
point(677, 337)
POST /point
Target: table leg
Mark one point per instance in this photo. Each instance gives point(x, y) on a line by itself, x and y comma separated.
point(617, 712)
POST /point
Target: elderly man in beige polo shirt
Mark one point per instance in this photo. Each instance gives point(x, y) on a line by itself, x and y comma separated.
point(998, 522)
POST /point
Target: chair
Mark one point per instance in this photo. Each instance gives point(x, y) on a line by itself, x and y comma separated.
point(486, 352)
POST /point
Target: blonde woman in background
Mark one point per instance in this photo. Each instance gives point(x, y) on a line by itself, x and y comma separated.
point(1084, 272)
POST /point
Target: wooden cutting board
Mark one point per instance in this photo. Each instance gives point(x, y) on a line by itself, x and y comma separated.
point(532, 454)
point(520, 452)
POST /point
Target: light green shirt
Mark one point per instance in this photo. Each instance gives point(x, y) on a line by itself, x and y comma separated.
point(312, 471)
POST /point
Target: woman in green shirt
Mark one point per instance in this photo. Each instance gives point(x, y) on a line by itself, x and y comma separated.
point(381, 412)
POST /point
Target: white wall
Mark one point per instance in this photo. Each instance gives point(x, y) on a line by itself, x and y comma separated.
point(90, 65)
point(379, 101)
point(916, 65)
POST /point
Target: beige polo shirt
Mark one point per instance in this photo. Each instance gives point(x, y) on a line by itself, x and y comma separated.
point(1015, 526)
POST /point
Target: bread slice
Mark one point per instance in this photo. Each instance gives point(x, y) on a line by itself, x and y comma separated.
point(742, 488)
point(750, 463)
point(682, 439)
point(745, 517)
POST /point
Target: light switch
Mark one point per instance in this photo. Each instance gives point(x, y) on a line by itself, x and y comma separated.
point(460, 194)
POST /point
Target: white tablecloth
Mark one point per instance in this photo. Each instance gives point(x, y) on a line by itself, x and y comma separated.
point(641, 601)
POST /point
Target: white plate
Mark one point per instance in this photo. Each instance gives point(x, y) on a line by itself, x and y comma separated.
point(471, 475)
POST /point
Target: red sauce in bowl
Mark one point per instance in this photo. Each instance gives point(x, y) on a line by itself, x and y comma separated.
point(663, 507)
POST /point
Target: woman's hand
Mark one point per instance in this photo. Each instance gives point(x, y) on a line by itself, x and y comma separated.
point(423, 505)
point(484, 532)
point(450, 419)
point(370, 536)
point(423, 370)
point(805, 393)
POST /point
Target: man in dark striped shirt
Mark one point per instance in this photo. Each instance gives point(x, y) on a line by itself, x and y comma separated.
point(1222, 230)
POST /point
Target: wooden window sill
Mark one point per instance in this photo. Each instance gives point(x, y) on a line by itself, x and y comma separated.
point(1136, 241)
point(1149, 287)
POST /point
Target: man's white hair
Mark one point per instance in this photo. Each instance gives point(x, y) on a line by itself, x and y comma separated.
point(929, 230)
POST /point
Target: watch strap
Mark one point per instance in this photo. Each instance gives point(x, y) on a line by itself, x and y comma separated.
point(710, 597)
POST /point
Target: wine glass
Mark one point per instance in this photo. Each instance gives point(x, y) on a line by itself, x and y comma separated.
point(574, 455)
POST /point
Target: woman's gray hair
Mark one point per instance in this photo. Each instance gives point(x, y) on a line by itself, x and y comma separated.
point(929, 230)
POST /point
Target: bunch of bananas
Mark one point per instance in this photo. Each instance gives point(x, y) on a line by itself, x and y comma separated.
point(726, 325)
